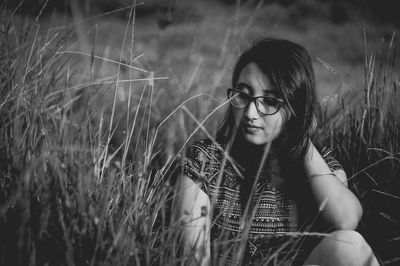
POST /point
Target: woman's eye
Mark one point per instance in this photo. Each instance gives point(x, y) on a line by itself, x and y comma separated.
point(270, 101)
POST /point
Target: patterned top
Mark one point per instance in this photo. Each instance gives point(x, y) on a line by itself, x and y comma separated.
point(274, 207)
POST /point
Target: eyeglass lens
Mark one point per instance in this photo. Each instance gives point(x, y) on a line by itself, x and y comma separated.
point(264, 104)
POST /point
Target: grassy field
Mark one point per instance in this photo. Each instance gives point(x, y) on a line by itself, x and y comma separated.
point(94, 113)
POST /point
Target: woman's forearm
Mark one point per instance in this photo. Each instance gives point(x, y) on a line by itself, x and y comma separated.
point(339, 206)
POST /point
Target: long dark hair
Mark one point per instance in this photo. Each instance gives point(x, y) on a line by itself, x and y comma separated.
point(288, 67)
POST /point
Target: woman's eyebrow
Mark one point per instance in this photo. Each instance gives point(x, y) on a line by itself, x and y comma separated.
point(244, 85)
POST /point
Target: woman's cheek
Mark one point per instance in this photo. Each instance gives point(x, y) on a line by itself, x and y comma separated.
point(274, 126)
point(237, 115)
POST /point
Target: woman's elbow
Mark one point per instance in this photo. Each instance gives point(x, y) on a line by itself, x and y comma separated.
point(349, 224)
point(349, 219)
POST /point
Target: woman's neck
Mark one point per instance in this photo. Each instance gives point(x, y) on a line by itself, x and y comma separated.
point(248, 155)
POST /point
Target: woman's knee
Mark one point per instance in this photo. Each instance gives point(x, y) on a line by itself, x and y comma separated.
point(343, 247)
point(350, 239)
point(352, 245)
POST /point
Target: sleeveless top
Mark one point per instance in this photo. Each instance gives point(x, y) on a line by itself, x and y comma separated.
point(275, 209)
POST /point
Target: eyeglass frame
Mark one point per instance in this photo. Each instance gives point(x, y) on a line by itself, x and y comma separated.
point(254, 99)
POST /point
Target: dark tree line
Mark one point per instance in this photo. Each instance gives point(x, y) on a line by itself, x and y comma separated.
point(381, 11)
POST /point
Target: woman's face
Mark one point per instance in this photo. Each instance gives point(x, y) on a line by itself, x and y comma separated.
point(257, 128)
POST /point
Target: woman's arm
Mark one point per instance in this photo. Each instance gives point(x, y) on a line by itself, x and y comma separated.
point(341, 208)
point(194, 211)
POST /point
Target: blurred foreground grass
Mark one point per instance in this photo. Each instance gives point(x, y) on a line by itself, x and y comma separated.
point(85, 178)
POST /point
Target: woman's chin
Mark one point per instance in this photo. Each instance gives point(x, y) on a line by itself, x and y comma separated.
point(255, 139)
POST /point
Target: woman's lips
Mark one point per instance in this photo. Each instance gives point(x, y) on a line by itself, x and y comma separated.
point(251, 128)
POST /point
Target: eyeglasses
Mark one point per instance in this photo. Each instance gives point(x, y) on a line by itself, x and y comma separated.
point(266, 105)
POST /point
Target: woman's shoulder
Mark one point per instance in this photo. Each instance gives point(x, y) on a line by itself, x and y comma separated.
point(204, 149)
point(329, 157)
point(202, 161)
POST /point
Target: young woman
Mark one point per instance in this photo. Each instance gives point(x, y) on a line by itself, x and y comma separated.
point(242, 194)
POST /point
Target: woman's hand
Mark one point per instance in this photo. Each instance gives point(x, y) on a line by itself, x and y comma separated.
point(339, 206)
point(194, 212)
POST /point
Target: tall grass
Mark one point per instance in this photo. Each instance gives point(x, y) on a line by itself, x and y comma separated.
point(364, 132)
point(77, 191)
point(68, 196)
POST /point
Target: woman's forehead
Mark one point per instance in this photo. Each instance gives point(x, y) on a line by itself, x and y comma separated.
point(252, 69)
point(254, 79)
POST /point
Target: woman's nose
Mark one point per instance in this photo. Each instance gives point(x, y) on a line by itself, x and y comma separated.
point(251, 111)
